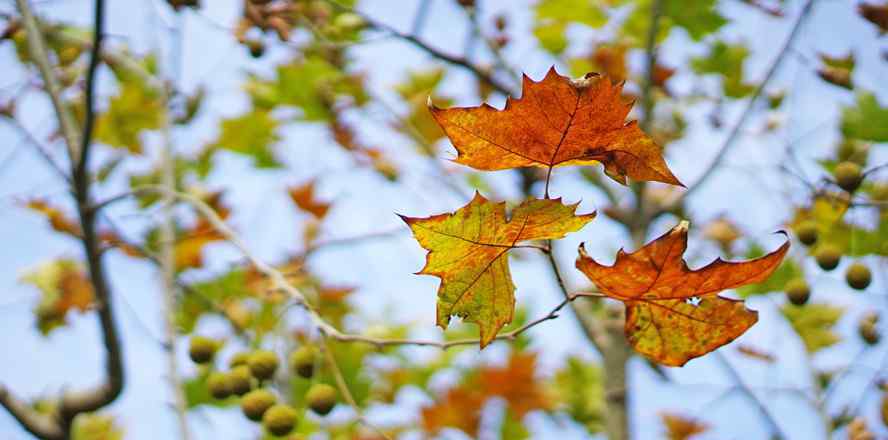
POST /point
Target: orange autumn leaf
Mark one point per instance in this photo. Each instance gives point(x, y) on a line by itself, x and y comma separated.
point(557, 122)
point(303, 197)
point(64, 286)
point(679, 427)
point(673, 313)
point(188, 251)
point(516, 383)
point(467, 250)
point(57, 219)
point(460, 408)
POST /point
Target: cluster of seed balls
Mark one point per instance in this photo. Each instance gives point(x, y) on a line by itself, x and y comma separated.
point(248, 371)
point(848, 176)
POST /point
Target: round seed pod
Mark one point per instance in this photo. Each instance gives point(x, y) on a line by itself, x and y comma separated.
point(263, 364)
point(201, 349)
point(848, 176)
point(218, 385)
point(858, 276)
point(240, 380)
point(302, 361)
point(255, 403)
point(797, 291)
point(828, 257)
point(321, 398)
point(279, 419)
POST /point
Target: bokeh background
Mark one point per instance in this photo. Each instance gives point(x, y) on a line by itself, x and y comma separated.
point(749, 189)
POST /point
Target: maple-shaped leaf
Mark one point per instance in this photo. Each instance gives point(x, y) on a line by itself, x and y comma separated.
point(467, 250)
point(557, 122)
point(303, 197)
point(673, 313)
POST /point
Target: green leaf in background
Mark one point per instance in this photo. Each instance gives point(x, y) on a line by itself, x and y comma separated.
point(419, 124)
point(814, 324)
point(252, 134)
point(828, 213)
point(578, 388)
point(788, 270)
point(312, 85)
point(698, 17)
point(554, 17)
point(89, 426)
point(512, 427)
point(726, 60)
point(135, 108)
point(867, 120)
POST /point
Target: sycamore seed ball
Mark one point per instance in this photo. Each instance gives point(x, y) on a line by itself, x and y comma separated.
point(302, 361)
point(321, 398)
point(257, 48)
point(218, 385)
point(867, 329)
point(828, 257)
point(807, 233)
point(240, 381)
point(202, 349)
point(279, 419)
point(256, 402)
point(858, 276)
point(848, 176)
point(238, 359)
point(797, 291)
point(263, 364)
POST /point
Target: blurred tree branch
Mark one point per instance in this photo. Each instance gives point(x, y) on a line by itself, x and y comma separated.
point(73, 403)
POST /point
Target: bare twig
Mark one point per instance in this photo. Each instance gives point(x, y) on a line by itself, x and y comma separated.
point(40, 56)
point(73, 403)
point(168, 252)
point(40, 425)
point(437, 53)
point(746, 391)
point(81, 164)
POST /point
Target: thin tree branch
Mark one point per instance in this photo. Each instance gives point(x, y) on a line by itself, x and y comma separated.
point(168, 263)
point(89, 121)
point(734, 134)
point(343, 387)
point(591, 328)
point(106, 392)
point(40, 56)
point(39, 425)
point(437, 53)
point(746, 391)
point(73, 403)
point(40, 148)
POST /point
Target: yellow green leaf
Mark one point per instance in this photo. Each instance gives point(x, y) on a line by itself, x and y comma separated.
point(467, 250)
point(814, 324)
